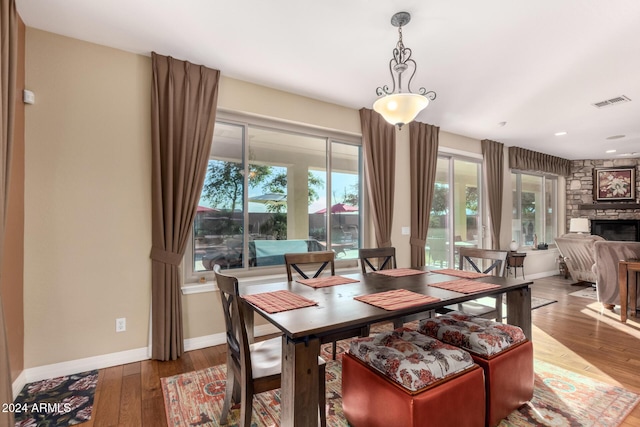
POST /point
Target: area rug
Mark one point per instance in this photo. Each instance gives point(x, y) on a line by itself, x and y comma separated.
point(561, 398)
point(536, 302)
point(58, 402)
point(589, 292)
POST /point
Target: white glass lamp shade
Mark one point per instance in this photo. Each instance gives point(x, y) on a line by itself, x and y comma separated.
point(579, 225)
point(400, 108)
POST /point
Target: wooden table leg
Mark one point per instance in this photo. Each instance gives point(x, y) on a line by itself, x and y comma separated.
point(622, 283)
point(519, 310)
point(300, 383)
point(632, 290)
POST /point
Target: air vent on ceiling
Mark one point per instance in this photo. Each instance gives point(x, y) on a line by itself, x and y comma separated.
point(613, 101)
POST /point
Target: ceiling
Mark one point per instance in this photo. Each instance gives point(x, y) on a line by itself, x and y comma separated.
point(536, 67)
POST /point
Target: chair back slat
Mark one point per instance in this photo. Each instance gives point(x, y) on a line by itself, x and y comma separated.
point(236, 330)
point(468, 256)
point(295, 261)
point(384, 258)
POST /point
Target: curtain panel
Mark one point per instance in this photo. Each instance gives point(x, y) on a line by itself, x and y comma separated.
point(184, 97)
point(423, 149)
point(493, 159)
point(379, 146)
point(8, 70)
point(527, 160)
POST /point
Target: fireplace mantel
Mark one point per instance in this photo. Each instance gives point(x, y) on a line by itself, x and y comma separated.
point(609, 205)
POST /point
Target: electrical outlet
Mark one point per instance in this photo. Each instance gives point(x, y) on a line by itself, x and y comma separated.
point(121, 324)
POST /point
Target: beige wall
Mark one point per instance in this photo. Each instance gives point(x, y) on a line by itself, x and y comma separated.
point(87, 199)
point(12, 274)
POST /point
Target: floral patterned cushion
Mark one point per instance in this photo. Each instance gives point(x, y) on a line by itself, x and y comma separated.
point(409, 358)
point(475, 334)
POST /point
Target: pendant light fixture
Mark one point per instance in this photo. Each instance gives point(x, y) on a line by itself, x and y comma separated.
point(398, 107)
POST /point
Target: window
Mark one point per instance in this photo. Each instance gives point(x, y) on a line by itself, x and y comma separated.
point(273, 189)
point(455, 210)
point(534, 208)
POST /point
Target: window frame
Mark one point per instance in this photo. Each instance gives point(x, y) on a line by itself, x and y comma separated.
point(203, 281)
point(554, 179)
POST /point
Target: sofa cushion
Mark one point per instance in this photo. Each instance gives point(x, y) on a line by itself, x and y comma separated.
point(409, 358)
point(607, 254)
point(578, 253)
point(478, 335)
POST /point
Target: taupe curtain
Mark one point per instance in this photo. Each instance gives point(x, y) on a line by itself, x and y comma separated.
point(8, 70)
point(379, 146)
point(183, 112)
point(493, 159)
point(527, 160)
point(423, 149)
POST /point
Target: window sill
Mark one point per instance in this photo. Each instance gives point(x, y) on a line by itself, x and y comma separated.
point(210, 285)
point(199, 288)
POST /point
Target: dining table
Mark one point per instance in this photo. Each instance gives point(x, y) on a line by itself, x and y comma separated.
point(336, 309)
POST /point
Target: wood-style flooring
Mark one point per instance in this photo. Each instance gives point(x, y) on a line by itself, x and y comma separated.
point(574, 333)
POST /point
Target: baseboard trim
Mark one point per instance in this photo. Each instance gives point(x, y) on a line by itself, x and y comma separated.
point(218, 339)
point(114, 359)
point(79, 365)
point(541, 275)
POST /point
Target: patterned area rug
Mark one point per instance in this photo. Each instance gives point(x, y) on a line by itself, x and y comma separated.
point(561, 398)
point(58, 402)
point(589, 292)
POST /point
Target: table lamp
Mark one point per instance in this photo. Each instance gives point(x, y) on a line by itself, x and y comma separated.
point(579, 225)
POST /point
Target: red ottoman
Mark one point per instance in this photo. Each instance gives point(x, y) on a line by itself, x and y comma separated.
point(403, 378)
point(503, 352)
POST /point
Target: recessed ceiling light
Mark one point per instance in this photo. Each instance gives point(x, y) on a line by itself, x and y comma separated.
point(560, 133)
point(610, 151)
point(616, 136)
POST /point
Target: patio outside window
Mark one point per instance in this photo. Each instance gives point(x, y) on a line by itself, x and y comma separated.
point(270, 191)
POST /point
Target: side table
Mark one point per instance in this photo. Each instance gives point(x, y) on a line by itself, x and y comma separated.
point(624, 268)
point(515, 260)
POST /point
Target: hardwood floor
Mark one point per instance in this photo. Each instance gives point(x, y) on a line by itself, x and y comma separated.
point(574, 333)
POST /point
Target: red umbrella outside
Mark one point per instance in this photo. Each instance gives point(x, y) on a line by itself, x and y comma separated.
point(339, 208)
point(206, 209)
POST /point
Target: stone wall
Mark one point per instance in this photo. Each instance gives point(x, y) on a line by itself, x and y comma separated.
point(580, 190)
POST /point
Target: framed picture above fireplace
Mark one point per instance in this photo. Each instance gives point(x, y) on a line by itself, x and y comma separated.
point(614, 184)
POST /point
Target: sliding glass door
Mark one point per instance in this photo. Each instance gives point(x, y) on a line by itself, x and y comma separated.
point(456, 219)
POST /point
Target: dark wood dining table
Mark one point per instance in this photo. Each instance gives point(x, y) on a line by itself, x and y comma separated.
point(337, 310)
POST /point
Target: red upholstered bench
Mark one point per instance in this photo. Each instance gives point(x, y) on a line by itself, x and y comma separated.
point(502, 350)
point(403, 378)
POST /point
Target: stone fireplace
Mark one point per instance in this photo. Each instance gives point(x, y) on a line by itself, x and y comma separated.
point(612, 220)
point(617, 229)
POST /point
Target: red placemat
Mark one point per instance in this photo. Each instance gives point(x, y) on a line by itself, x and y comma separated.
point(396, 299)
point(464, 286)
point(400, 272)
point(274, 302)
point(323, 282)
point(460, 273)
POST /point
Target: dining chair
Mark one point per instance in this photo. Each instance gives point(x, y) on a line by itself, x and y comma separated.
point(295, 261)
point(374, 259)
point(377, 259)
point(304, 262)
point(252, 368)
point(488, 261)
